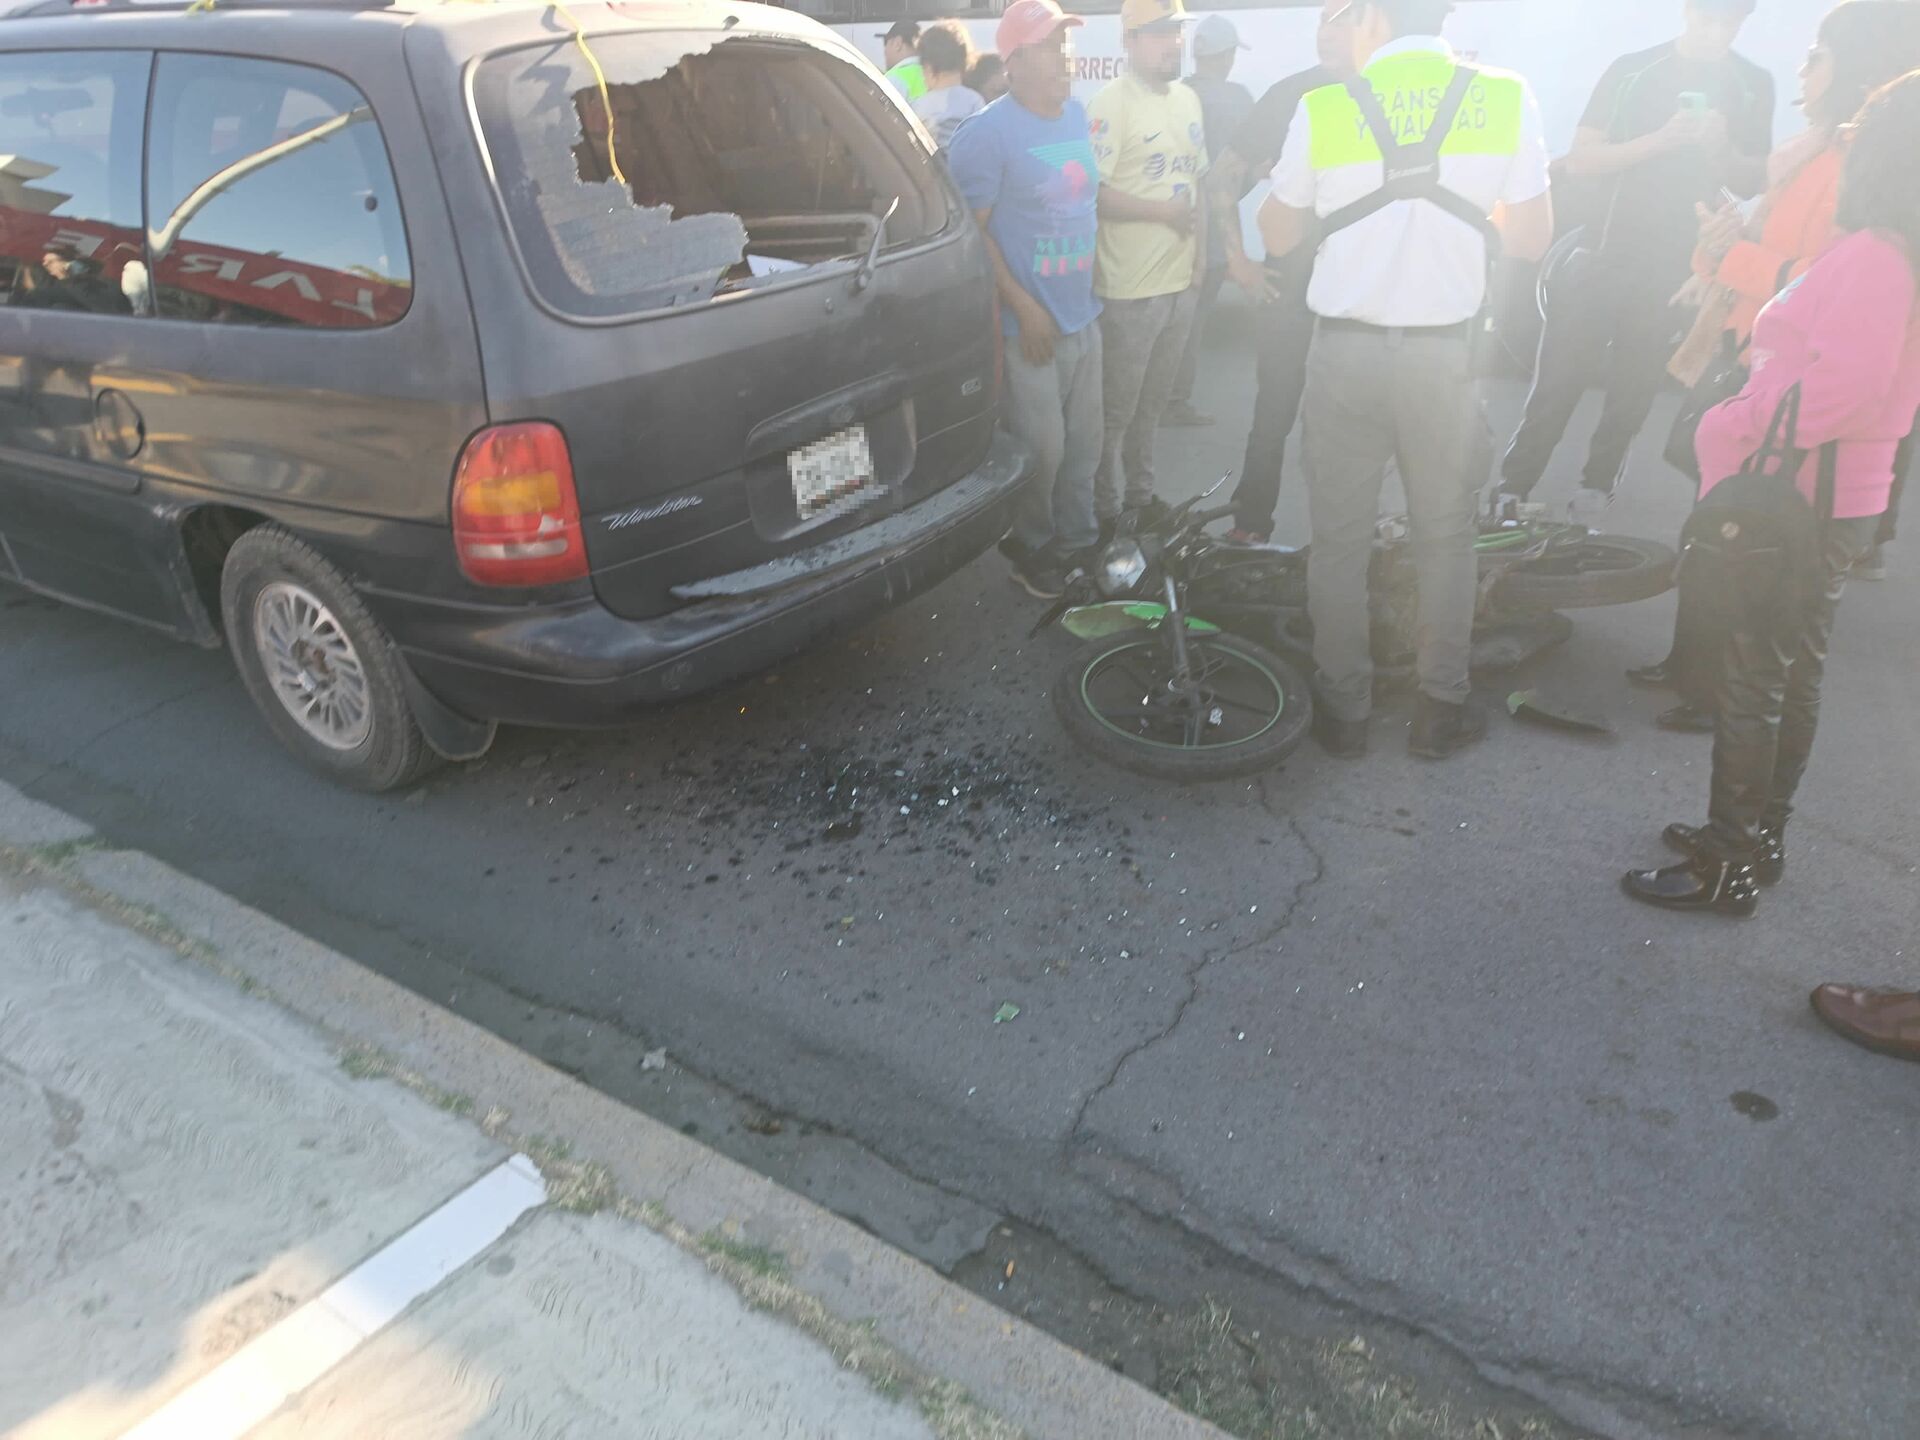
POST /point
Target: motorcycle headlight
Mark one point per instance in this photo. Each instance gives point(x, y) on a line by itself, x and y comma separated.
point(1122, 564)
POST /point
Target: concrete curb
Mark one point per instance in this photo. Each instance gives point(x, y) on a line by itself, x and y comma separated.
point(1019, 1373)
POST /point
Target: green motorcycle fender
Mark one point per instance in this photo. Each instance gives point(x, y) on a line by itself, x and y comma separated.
point(1095, 622)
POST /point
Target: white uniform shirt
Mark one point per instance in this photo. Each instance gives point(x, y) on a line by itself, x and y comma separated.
point(1410, 263)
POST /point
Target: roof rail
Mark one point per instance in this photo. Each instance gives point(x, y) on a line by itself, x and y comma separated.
point(40, 9)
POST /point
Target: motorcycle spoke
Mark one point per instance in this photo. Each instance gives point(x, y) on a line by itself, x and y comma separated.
point(1268, 697)
point(1126, 671)
point(1252, 707)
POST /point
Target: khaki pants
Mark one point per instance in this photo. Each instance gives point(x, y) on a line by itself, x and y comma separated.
point(1374, 397)
point(1142, 342)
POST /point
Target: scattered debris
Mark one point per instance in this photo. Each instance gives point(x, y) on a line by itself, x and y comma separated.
point(1531, 705)
point(654, 1060)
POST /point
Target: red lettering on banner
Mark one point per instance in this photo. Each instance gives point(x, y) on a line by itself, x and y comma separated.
point(306, 294)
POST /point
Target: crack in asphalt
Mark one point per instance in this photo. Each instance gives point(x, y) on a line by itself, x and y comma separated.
point(26, 786)
point(1208, 958)
point(1329, 1279)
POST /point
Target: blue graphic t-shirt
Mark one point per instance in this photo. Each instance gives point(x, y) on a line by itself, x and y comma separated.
point(1038, 177)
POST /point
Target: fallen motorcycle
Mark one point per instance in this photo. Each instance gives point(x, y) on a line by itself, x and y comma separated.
point(1158, 689)
point(1171, 684)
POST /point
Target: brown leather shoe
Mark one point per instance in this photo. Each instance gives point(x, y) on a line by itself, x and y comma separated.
point(1884, 1020)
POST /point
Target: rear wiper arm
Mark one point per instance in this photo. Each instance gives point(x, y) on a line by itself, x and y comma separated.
point(863, 277)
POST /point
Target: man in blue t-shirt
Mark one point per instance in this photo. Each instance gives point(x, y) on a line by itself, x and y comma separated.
point(1026, 167)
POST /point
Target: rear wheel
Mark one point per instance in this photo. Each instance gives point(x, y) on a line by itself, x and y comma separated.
point(1586, 571)
point(322, 671)
point(1247, 711)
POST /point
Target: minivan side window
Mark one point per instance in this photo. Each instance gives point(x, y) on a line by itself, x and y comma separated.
point(270, 200)
point(70, 180)
point(667, 168)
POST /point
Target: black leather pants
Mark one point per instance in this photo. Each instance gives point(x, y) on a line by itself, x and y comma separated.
point(1769, 705)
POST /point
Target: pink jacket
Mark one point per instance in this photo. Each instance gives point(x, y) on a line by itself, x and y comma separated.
point(1848, 334)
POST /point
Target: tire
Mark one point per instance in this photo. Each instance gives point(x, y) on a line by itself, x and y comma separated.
point(1600, 570)
point(1276, 738)
point(360, 731)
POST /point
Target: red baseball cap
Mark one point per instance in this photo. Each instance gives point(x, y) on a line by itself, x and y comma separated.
point(1028, 22)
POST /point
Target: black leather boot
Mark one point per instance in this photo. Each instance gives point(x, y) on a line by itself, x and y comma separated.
point(1342, 739)
point(1769, 859)
point(1440, 729)
point(1718, 886)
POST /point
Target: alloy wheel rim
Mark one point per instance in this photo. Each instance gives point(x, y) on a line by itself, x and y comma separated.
point(312, 666)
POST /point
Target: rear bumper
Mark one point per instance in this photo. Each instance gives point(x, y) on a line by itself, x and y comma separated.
point(578, 664)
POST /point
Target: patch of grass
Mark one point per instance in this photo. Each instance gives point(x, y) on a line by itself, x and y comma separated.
point(580, 1189)
point(547, 1150)
point(653, 1215)
point(949, 1410)
point(757, 1258)
point(61, 851)
point(50, 861)
point(1330, 1392)
point(363, 1062)
point(945, 1405)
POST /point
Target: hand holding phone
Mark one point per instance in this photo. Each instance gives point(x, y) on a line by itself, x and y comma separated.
point(1694, 123)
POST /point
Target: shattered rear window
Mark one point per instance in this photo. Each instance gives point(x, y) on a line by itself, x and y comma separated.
point(744, 160)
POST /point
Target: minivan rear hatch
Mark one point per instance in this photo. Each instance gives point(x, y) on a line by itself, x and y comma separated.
point(764, 320)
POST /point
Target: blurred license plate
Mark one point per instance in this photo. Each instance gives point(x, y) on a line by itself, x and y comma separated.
point(835, 471)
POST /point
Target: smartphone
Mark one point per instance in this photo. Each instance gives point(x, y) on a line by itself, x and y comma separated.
point(1693, 102)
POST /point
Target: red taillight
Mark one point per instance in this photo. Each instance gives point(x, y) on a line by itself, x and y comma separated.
point(516, 518)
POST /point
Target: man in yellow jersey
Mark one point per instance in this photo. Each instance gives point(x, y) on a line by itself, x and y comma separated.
point(1150, 146)
point(1422, 172)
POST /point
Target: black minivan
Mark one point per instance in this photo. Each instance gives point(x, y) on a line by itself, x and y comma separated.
point(474, 363)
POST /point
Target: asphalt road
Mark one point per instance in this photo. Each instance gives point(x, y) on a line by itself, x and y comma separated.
point(1386, 1033)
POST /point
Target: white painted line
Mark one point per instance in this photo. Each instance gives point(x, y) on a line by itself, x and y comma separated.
point(280, 1362)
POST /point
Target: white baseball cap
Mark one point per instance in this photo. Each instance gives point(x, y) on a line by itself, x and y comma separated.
point(1215, 35)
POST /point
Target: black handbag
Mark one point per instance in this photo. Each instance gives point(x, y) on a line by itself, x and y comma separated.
point(1752, 550)
point(1725, 378)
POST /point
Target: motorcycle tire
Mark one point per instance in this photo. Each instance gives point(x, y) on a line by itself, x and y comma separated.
point(1600, 570)
point(1130, 745)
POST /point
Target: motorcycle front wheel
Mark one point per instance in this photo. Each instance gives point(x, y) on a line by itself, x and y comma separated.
point(1246, 710)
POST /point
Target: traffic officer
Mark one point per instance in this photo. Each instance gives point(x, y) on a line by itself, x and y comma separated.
point(1422, 170)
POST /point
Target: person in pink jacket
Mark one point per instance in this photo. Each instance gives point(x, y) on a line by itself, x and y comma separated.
point(1846, 334)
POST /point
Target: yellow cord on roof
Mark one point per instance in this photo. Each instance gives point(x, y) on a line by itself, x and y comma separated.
point(599, 77)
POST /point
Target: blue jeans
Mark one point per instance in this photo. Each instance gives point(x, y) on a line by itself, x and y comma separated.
point(1057, 409)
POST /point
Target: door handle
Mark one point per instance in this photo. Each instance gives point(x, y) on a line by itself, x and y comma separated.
point(118, 424)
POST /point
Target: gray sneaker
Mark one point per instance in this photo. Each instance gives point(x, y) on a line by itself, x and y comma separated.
point(1589, 506)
